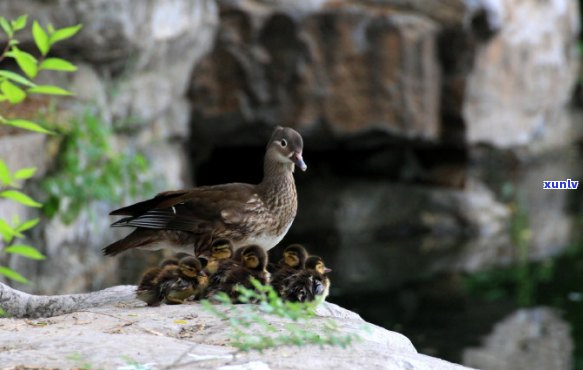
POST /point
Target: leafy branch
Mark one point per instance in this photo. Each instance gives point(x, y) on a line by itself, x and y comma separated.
point(14, 89)
point(250, 330)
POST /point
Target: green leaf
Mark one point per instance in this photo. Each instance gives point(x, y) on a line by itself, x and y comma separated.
point(40, 38)
point(19, 23)
point(57, 64)
point(4, 174)
point(25, 61)
point(8, 232)
point(25, 251)
point(17, 78)
point(14, 93)
point(26, 225)
point(25, 173)
point(64, 33)
point(28, 125)
point(50, 28)
point(13, 275)
point(49, 89)
point(6, 26)
point(20, 197)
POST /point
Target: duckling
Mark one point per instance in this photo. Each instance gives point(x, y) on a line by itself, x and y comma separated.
point(253, 265)
point(293, 260)
point(147, 290)
point(220, 260)
point(176, 283)
point(310, 284)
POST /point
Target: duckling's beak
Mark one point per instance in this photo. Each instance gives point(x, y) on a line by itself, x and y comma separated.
point(202, 273)
point(327, 270)
point(299, 161)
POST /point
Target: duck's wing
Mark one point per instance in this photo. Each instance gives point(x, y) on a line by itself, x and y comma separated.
point(195, 210)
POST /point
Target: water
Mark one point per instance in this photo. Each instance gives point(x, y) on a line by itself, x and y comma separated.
point(449, 312)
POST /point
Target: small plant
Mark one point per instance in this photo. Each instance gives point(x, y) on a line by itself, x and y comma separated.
point(88, 168)
point(80, 361)
point(251, 331)
point(14, 89)
point(132, 364)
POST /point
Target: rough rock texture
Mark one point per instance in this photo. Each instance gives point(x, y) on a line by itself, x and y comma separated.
point(134, 58)
point(21, 151)
point(523, 78)
point(351, 67)
point(533, 339)
point(463, 71)
point(173, 336)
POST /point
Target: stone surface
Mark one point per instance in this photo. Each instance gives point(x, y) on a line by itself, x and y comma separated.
point(134, 59)
point(533, 339)
point(470, 72)
point(351, 68)
point(523, 77)
point(114, 336)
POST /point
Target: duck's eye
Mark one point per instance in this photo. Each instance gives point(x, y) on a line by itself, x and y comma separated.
point(283, 143)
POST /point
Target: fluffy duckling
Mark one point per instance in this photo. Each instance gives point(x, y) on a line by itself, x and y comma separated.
point(310, 284)
point(293, 261)
point(147, 290)
point(173, 283)
point(178, 283)
point(220, 260)
point(253, 265)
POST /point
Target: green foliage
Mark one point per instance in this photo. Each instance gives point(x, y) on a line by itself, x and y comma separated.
point(89, 168)
point(80, 361)
point(251, 331)
point(14, 89)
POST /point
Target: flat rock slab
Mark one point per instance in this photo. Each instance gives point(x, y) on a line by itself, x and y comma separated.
point(128, 335)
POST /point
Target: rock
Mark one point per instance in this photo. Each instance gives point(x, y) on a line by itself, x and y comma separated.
point(24, 149)
point(354, 68)
point(524, 76)
point(412, 69)
point(134, 59)
point(116, 335)
point(74, 259)
point(533, 339)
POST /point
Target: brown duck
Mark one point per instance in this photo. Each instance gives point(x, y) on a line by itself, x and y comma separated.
point(242, 213)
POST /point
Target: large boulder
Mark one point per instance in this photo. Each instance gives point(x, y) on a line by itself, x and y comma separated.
point(351, 67)
point(468, 72)
point(535, 339)
point(186, 335)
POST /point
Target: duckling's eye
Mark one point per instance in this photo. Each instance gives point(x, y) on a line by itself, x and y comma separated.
point(283, 143)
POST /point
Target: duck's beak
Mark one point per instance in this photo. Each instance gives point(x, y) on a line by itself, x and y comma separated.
point(327, 270)
point(299, 161)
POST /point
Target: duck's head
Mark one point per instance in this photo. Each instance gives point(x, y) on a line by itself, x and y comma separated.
point(190, 267)
point(286, 146)
point(317, 264)
point(169, 262)
point(295, 255)
point(254, 258)
point(221, 249)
